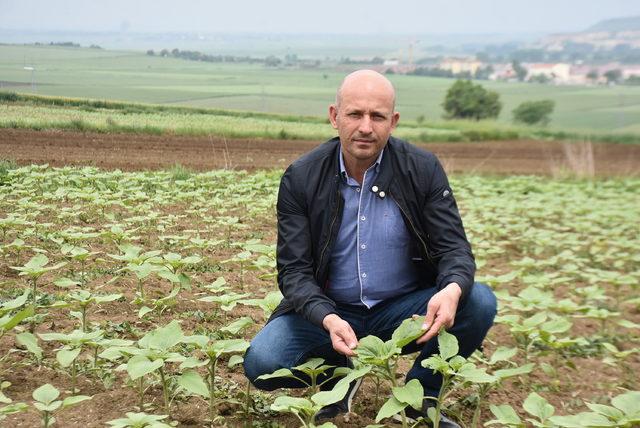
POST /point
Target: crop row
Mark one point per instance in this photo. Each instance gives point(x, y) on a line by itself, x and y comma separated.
point(145, 289)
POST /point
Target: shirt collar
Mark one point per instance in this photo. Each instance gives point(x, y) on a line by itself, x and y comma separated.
point(376, 164)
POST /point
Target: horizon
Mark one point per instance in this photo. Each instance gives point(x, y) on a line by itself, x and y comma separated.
point(333, 17)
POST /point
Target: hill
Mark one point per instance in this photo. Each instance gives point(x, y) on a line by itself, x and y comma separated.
point(631, 23)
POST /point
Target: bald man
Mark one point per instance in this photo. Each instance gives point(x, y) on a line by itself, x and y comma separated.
point(369, 234)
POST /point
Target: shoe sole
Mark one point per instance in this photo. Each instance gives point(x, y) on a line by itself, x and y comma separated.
point(353, 393)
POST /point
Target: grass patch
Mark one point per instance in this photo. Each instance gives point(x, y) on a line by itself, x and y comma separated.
point(86, 115)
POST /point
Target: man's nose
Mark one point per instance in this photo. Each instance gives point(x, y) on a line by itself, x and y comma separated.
point(365, 125)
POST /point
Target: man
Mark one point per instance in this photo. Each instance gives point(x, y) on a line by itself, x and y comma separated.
point(369, 234)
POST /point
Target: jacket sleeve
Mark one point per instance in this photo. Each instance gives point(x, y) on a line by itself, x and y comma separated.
point(446, 239)
point(294, 256)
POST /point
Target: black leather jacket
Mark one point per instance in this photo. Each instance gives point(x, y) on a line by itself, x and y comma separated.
point(310, 210)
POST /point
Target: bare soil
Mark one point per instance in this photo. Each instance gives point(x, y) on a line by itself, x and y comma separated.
point(139, 152)
point(586, 379)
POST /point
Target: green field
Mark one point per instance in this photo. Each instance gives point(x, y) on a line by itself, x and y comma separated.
point(140, 291)
point(131, 76)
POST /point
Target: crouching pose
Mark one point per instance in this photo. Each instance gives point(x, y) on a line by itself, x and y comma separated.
point(369, 234)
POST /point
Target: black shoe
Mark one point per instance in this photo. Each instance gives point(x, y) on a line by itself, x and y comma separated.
point(413, 415)
point(341, 407)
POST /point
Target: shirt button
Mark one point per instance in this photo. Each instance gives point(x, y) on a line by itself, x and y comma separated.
point(363, 246)
point(357, 189)
point(363, 218)
point(364, 274)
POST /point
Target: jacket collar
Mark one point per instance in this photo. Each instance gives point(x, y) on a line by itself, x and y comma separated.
point(385, 167)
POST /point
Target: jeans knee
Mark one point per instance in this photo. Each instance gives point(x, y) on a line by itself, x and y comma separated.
point(257, 364)
point(485, 304)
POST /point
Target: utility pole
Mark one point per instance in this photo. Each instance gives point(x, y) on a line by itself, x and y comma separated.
point(33, 77)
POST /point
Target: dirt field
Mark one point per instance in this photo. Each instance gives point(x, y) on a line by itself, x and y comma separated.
point(135, 152)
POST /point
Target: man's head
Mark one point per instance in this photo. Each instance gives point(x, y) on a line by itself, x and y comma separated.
point(364, 115)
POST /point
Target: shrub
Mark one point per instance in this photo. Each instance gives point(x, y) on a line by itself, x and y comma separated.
point(534, 112)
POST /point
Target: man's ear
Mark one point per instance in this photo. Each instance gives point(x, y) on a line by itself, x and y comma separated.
point(333, 114)
point(394, 120)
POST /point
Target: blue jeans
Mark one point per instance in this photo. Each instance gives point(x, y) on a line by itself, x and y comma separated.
point(289, 340)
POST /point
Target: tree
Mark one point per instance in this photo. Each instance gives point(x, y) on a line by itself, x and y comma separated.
point(593, 75)
point(150, 52)
point(465, 100)
point(521, 72)
point(534, 112)
point(539, 78)
point(613, 76)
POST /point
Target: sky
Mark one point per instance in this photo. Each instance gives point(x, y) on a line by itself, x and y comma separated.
point(326, 16)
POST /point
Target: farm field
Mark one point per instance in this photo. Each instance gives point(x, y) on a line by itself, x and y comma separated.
point(138, 291)
point(133, 152)
point(132, 76)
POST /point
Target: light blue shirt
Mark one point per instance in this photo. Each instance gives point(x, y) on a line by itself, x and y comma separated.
point(371, 258)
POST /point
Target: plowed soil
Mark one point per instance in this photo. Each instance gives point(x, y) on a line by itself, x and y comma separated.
point(139, 152)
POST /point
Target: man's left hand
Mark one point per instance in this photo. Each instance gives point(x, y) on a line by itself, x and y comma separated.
point(441, 311)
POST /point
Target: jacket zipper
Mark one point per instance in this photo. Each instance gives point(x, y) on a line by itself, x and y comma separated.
point(326, 245)
point(415, 232)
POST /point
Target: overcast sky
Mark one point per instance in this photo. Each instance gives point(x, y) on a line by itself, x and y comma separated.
point(325, 16)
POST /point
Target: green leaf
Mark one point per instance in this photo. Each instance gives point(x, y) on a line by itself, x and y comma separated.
point(537, 406)
point(66, 357)
point(13, 408)
point(505, 415)
point(139, 366)
point(505, 373)
point(390, 408)
point(70, 401)
point(144, 311)
point(238, 325)
point(8, 322)
point(193, 382)
point(284, 403)
point(30, 342)
point(163, 338)
point(581, 420)
point(408, 331)
point(372, 350)
point(234, 360)
point(628, 324)
point(276, 374)
point(48, 407)
point(476, 375)
point(15, 303)
point(326, 425)
point(411, 393)
point(66, 282)
point(629, 403)
point(227, 346)
point(45, 394)
point(448, 344)
point(608, 411)
point(502, 354)
point(324, 398)
point(192, 362)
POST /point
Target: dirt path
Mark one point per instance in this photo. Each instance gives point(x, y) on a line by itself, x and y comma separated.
point(136, 152)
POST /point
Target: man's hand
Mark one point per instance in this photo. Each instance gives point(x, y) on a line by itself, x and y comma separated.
point(441, 311)
point(343, 338)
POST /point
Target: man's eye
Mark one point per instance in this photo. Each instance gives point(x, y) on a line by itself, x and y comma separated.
point(354, 115)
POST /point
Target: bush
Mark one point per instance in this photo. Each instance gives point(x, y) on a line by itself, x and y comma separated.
point(534, 112)
point(465, 100)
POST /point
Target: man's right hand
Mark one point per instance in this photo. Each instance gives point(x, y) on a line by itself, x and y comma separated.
point(343, 338)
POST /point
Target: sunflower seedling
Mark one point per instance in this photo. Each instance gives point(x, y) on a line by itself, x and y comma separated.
point(46, 401)
point(193, 382)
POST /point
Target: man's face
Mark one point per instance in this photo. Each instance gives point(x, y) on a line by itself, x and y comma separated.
point(364, 119)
